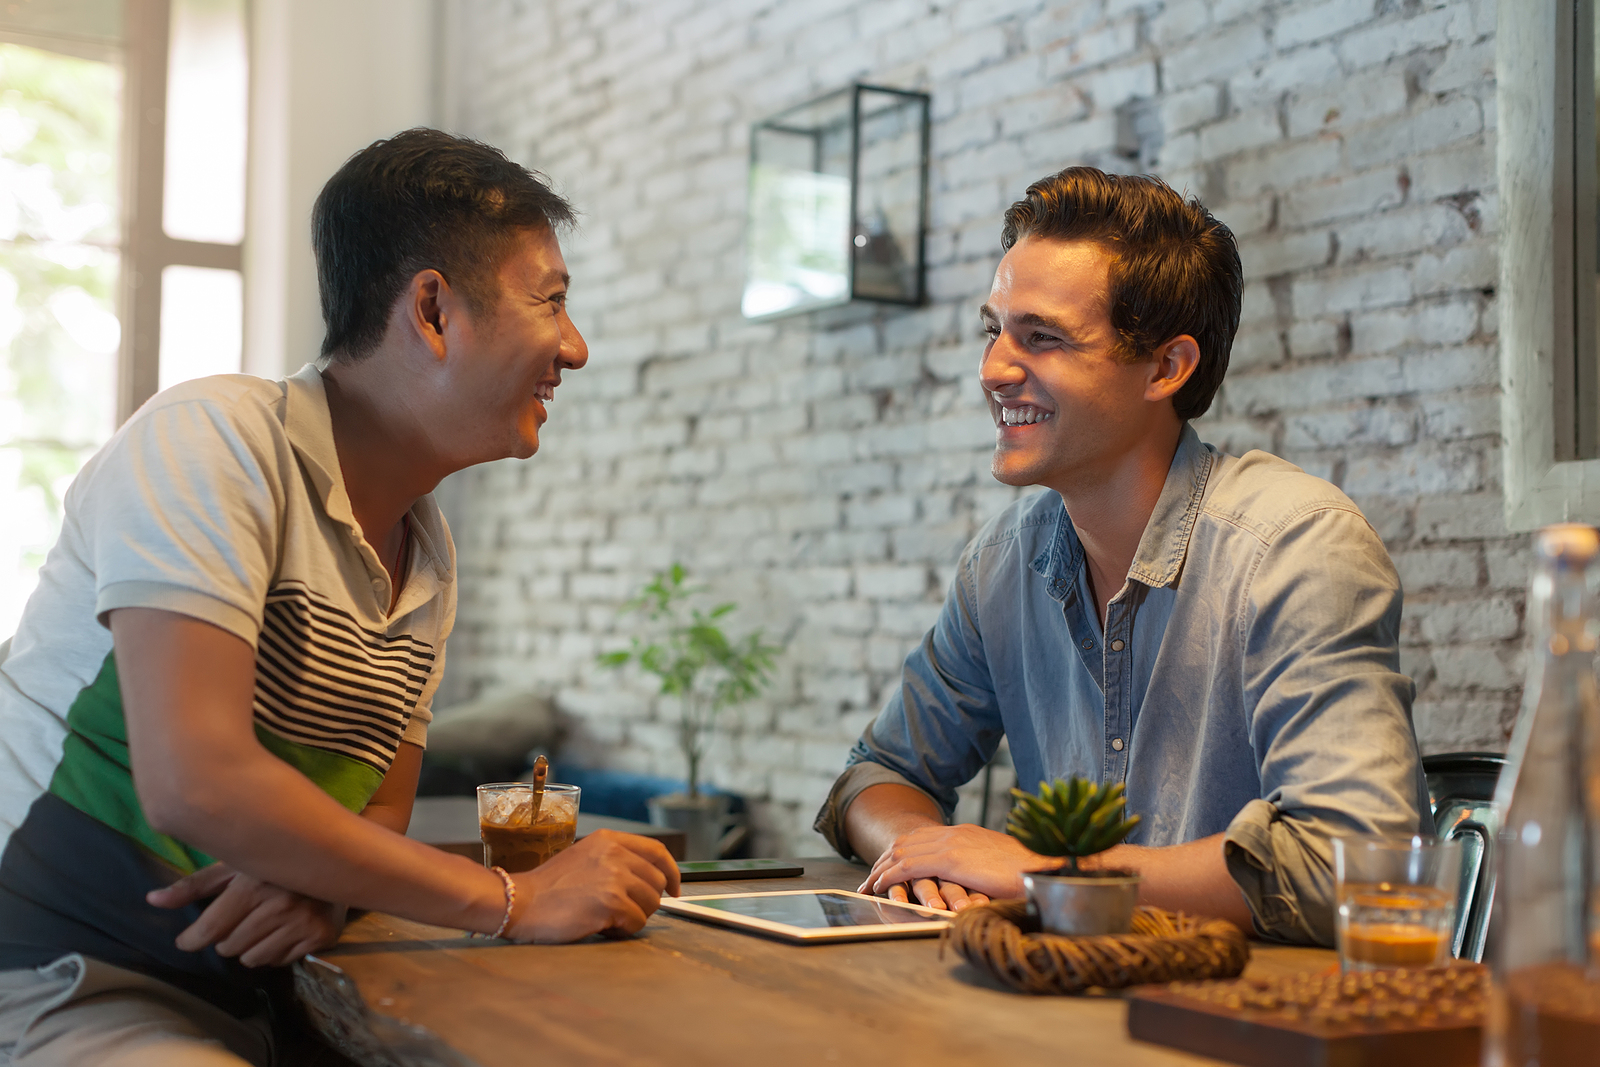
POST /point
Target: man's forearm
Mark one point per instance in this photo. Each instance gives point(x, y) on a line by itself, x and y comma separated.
point(305, 841)
point(1191, 877)
point(204, 778)
point(881, 813)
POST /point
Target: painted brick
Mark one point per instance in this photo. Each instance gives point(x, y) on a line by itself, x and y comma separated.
point(1440, 323)
point(1462, 725)
point(1359, 194)
point(1315, 22)
point(1368, 424)
point(1084, 50)
point(1189, 108)
point(1298, 69)
point(1410, 135)
point(1437, 568)
point(1217, 54)
point(1281, 253)
point(1356, 290)
point(1385, 39)
point(1249, 129)
point(1478, 619)
point(1287, 164)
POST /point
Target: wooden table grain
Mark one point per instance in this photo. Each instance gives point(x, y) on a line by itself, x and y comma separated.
point(400, 994)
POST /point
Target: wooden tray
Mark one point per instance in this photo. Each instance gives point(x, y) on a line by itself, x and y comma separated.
point(1255, 1040)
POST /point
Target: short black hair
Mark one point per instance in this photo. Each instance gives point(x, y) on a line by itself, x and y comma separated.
point(419, 200)
point(1174, 268)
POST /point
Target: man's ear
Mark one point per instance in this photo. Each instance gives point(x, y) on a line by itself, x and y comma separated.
point(430, 306)
point(1174, 364)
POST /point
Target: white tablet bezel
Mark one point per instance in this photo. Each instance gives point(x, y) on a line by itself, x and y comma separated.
point(804, 935)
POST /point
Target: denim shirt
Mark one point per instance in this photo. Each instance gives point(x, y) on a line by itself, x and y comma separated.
point(1247, 681)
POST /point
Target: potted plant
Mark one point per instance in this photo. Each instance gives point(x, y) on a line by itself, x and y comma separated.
point(705, 671)
point(1076, 818)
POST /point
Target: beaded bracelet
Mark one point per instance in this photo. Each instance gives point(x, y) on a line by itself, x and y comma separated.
point(511, 899)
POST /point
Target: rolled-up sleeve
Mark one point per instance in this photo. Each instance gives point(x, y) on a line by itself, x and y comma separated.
point(1331, 726)
point(939, 727)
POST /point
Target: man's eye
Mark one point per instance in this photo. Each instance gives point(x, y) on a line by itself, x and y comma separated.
point(992, 331)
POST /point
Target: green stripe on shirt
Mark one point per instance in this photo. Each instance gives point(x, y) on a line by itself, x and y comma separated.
point(96, 777)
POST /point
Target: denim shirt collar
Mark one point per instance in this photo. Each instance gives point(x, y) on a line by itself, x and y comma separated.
point(1166, 535)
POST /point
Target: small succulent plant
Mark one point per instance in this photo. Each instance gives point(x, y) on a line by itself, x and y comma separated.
point(1073, 818)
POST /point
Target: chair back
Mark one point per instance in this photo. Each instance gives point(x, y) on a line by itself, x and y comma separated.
point(1461, 793)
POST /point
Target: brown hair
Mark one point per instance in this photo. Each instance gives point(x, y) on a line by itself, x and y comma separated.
point(1174, 268)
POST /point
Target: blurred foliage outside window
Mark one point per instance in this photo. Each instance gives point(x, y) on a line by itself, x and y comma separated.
point(59, 263)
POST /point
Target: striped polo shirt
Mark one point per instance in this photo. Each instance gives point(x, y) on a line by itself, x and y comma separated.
point(221, 499)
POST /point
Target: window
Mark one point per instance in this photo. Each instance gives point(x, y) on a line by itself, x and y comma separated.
point(122, 175)
point(1545, 60)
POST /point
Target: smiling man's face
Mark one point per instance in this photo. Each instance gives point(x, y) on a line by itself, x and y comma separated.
point(514, 355)
point(1067, 410)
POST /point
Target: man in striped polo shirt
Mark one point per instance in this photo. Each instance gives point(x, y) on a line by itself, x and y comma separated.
point(213, 712)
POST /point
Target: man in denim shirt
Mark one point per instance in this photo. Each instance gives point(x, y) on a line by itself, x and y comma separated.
point(1218, 633)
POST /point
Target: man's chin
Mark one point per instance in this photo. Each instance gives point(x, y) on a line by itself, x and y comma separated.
point(1007, 471)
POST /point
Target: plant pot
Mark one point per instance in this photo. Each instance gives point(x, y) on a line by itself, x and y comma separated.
point(1082, 905)
point(709, 831)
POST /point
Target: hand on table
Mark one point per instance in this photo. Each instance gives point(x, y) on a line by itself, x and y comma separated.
point(953, 867)
point(262, 924)
point(608, 883)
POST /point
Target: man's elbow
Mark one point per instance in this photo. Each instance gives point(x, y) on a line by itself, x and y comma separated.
point(184, 805)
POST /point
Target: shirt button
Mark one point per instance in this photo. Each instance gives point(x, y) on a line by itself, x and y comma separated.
point(1116, 743)
point(1088, 643)
point(377, 583)
point(1116, 646)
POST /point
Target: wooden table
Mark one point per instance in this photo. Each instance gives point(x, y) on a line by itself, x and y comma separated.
point(683, 992)
point(451, 824)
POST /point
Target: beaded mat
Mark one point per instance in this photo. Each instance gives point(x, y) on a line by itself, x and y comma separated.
point(1003, 940)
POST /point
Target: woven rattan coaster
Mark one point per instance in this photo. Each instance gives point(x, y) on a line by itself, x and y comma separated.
point(1003, 940)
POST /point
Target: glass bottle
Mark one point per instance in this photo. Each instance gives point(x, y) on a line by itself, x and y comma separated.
point(1545, 1007)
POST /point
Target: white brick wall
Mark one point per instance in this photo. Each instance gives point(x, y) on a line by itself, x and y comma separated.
point(826, 472)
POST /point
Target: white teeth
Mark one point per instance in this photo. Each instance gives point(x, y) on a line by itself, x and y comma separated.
point(1023, 416)
point(546, 393)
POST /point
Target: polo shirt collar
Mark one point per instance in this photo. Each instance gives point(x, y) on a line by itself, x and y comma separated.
point(309, 427)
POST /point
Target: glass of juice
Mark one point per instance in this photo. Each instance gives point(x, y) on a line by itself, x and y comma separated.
point(514, 837)
point(1397, 901)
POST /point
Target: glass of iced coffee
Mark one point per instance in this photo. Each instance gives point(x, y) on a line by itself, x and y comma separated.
point(515, 838)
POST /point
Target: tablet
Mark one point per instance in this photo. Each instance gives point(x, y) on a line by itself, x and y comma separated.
point(809, 916)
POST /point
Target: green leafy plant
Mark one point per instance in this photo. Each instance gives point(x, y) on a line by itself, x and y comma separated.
point(1073, 818)
point(695, 661)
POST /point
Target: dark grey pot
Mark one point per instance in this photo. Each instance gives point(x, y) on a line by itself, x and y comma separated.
point(709, 831)
point(1082, 906)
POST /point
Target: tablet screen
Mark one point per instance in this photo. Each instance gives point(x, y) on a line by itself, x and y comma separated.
point(815, 911)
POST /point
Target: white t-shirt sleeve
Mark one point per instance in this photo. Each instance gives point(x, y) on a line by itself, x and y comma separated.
point(183, 512)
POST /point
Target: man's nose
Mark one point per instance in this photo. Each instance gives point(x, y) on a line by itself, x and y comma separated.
point(999, 368)
point(574, 349)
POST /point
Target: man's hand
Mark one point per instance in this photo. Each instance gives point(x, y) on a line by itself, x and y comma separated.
point(263, 925)
point(608, 883)
point(953, 867)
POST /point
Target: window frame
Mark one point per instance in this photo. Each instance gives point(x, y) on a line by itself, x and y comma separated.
point(1550, 369)
point(145, 250)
